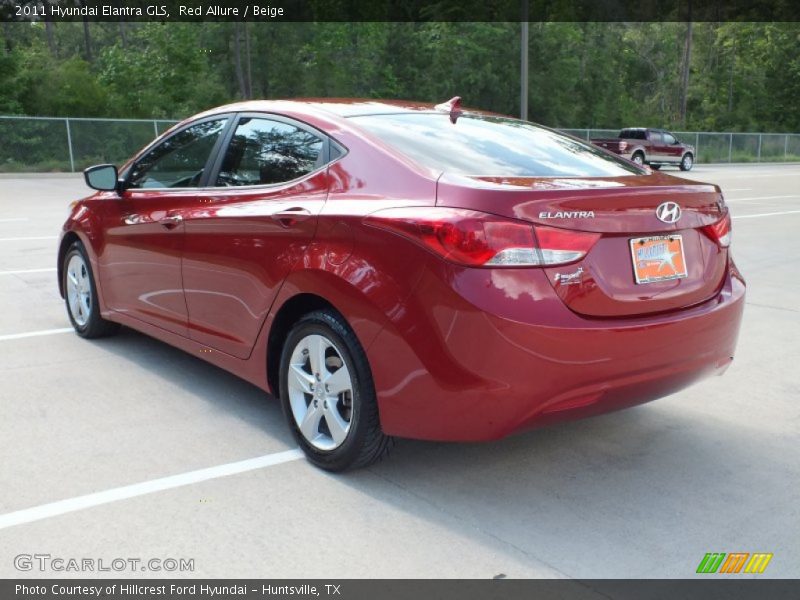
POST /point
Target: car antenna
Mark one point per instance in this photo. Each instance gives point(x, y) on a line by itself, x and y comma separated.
point(452, 106)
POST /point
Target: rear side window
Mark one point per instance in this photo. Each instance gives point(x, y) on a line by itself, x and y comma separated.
point(180, 160)
point(633, 134)
point(491, 146)
point(263, 151)
point(655, 137)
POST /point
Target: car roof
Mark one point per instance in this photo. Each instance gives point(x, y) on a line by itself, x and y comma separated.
point(339, 107)
point(353, 107)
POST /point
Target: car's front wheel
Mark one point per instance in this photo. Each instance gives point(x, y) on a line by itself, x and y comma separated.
point(687, 162)
point(638, 158)
point(80, 295)
point(328, 395)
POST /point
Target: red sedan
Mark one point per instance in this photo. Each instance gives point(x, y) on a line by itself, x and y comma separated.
point(404, 270)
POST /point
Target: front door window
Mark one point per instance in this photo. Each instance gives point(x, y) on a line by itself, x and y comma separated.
point(180, 160)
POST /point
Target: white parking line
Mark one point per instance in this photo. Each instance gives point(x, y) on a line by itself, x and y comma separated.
point(786, 212)
point(780, 173)
point(19, 336)
point(22, 271)
point(25, 239)
point(760, 198)
point(37, 513)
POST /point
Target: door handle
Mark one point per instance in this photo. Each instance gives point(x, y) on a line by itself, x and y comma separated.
point(171, 222)
point(290, 216)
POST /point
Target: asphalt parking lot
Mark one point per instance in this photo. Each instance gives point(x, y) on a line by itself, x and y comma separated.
point(641, 493)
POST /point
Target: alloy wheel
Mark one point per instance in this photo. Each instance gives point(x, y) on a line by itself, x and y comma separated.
point(320, 392)
point(79, 290)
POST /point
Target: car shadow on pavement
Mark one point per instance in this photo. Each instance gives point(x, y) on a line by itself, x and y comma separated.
point(220, 390)
point(643, 492)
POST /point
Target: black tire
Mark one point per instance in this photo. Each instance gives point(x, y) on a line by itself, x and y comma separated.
point(640, 156)
point(655, 167)
point(365, 442)
point(93, 325)
point(687, 162)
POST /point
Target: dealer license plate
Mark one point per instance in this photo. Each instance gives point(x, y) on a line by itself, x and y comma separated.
point(658, 258)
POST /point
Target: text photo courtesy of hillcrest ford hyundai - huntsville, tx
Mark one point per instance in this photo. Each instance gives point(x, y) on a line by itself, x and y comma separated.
point(397, 309)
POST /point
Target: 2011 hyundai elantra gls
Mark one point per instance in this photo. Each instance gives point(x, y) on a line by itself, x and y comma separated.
point(391, 269)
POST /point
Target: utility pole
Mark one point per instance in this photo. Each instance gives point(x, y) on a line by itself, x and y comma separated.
point(686, 64)
point(523, 68)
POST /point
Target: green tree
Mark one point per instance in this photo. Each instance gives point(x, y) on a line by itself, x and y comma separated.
point(737, 76)
point(164, 73)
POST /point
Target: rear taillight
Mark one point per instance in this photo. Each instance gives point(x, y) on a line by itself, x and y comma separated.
point(560, 246)
point(720, 232)
point(479, 239)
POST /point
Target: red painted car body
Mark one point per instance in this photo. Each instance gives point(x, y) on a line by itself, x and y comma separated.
point(456, 352)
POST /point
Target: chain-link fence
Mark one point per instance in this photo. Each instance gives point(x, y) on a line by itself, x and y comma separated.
point(720, 147)
point(60, 144)
point(53, 144)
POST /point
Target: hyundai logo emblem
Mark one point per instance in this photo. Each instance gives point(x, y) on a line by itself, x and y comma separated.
point(668, 212)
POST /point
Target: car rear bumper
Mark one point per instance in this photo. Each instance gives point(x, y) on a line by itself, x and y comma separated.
point(492, 352)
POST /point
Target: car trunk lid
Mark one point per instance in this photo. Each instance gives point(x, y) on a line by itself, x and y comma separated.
point(623, 211)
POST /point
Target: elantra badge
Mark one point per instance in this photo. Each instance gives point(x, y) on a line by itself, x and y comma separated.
point(567, 214)
point(668, 212)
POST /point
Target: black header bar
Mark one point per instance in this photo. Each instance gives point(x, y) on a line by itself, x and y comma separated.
point(401, 10)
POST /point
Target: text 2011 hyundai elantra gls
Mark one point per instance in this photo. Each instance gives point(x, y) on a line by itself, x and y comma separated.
point(405, 270)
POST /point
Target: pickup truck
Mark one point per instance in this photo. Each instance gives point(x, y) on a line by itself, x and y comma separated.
point(653, 147)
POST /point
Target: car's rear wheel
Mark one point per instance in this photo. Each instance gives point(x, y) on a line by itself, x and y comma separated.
point(328, 395)
point(638, 158)
point(80, 295)
point(687, 162)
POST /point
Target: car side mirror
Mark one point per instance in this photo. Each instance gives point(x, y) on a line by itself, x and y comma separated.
point(102, 177)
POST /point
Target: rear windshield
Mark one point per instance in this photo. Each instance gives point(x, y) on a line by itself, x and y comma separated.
point(492, 146)
point(633, 134)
